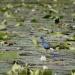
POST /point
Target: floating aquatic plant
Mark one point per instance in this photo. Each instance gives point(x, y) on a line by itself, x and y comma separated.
point(3, 27)
point(34, 20)
point(72, 38)
point(47, 16)
point(35, 41)
point(4, 36)
point(57, 34)
point(63, 45)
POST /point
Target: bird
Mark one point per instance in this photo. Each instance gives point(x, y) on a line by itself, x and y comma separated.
point(49, 49)
point(45, 44)
point(57, 21)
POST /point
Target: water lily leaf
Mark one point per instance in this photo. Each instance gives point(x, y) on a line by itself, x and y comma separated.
point(4, 9)
point(47, 16)
point(63, 45)
point(34, 20)
point(3, 27)
point(35, 41)
point(72, 48)
point(4, 36)
point(58, 34)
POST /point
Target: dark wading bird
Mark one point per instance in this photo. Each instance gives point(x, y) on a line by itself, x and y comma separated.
point(47, 47)
point(45, 44)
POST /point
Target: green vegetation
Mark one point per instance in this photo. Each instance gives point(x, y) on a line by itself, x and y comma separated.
point(26, 70)
point(63, 45)
point(4, 36)
point(34, 20)
point(6, 55)
point(73, 72)
point(20, 70)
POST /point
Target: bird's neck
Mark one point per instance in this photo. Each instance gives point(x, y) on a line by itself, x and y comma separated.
point(43, 41)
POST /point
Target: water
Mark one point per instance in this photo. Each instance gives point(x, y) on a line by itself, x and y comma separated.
point(21, 34)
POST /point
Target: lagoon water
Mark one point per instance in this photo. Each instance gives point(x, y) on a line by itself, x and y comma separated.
point(25, 19)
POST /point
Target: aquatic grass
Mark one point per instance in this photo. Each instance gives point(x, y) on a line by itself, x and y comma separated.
point(73, 72)
point(25, 70)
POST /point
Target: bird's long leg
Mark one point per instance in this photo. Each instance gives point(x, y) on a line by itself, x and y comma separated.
point(45, 52)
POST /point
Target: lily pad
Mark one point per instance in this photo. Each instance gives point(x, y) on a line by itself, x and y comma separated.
point(47, 16)
point(34, 20)
point(4, 36)
point(3, 27)
point(63, 45)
